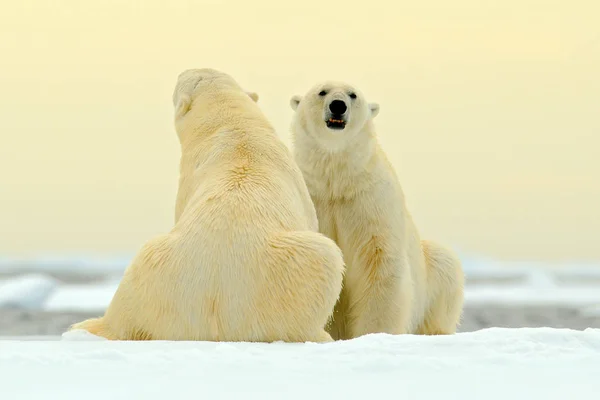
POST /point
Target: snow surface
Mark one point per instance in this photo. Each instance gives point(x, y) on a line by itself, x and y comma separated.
point(491, 364)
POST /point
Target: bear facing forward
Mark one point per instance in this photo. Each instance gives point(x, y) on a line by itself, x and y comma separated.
point(244, 260)
point(394, 283)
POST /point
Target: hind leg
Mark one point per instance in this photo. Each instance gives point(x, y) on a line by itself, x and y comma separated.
point(132, 313)
point(445, 290)
point(303, 280)
point(380, 290)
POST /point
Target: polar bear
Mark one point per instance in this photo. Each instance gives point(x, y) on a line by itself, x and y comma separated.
point(244, 260)
point(394, 283)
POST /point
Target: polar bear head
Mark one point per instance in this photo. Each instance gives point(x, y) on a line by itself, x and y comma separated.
point(332, 113)
point(201, 90)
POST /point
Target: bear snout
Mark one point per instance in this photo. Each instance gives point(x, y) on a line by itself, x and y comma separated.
point(337, 107)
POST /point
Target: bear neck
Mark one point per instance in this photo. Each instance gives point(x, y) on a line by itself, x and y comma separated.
point(215, 118)
point(341, 171)
point(351, 156)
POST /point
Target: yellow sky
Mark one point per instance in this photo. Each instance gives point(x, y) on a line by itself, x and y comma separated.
point(490, 111)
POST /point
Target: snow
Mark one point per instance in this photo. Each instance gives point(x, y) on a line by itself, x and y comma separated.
point(82, 264)
point(26, 291)
point(81, 297)
point(532, 296)
point(591, 311)
point(489, 364)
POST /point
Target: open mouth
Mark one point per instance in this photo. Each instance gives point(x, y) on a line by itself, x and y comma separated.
point(336, 123)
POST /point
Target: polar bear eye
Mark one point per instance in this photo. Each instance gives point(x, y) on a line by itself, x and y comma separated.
point(352, 95)
point(322, 93)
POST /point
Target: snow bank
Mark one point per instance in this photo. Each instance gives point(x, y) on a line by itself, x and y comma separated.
point(78, 264)
point(491, 364)
point(488, 282)
point(530, 272)
point(96, 297)
point(81, 297)
point(27, 291)
point(476, 267)
point(591, 311)
point(532, 296)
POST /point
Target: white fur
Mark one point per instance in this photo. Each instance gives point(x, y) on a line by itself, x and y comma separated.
point(244, 260)
point(394, 283)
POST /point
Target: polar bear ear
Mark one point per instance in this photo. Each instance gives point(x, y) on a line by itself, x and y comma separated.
point(374, 107)
point(253, 96)
point(183, 105)
point(295, 101)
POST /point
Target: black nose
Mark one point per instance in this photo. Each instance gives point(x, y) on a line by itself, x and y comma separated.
point(338, 107)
